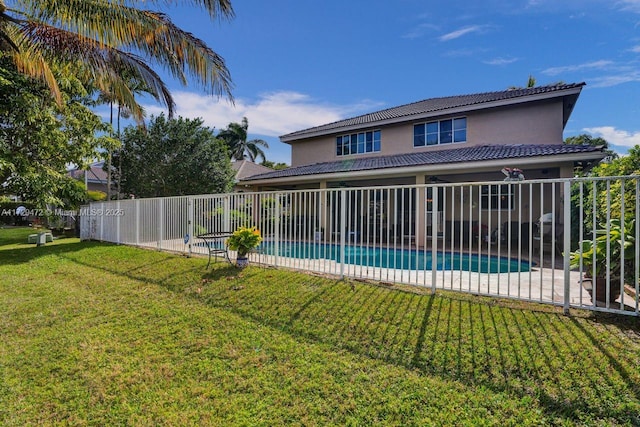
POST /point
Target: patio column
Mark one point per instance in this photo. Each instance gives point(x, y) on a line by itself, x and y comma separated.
point(566, 171)
point(420, 211)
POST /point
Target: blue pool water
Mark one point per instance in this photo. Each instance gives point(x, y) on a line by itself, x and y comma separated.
point(406, 259)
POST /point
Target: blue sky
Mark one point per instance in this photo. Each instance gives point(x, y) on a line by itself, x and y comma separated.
point(297, 64)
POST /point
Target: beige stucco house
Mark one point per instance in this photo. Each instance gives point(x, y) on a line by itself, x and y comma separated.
point(456, 138)
point(464, 138)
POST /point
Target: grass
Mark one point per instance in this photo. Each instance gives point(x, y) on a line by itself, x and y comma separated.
point(98, 334)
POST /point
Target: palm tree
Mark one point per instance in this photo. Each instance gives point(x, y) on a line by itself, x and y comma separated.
point(136, 87)
point(531, 82)
point(235, 136)
point(111, 39)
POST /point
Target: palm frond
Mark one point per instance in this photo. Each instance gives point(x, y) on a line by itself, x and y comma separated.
point(152, 34)
point(33, 64)
point(108, 65)
point(6, 43)
point(217, 9)
point(179, 49)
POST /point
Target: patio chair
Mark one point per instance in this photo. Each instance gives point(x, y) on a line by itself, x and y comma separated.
point(216, 244)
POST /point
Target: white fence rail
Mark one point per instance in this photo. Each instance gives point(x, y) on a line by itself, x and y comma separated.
point(503, 239)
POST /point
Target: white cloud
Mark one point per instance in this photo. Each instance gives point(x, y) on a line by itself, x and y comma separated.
point(619, 137)
point(461, 32)
point(501, 61)
point(271, 114)
point(635, 49)
point(554, 71)
point(616, 73)
point(615, 79)
point(630, 5)
point(418, 31)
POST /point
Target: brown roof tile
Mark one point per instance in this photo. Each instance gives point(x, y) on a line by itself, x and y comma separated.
point(428, 106)
point(425, 158)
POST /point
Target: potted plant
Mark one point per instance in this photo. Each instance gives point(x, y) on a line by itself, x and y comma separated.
point(592, 255)
point(243, 240)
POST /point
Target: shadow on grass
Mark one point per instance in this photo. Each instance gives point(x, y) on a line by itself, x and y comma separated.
point(167, 270)
point(535, 354)
point(575, 368)
point(23, 253)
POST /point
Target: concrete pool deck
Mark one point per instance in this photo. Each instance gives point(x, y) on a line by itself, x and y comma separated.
point(542, 284)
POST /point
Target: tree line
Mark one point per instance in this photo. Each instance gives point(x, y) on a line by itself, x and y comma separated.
point(171, 157)
point(61, 59)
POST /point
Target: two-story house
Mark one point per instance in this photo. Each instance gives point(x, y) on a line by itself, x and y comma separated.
point(465, 138)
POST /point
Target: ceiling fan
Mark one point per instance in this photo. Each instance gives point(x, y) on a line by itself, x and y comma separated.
point(435, 180)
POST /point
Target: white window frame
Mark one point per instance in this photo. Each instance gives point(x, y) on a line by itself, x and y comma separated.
point(439, 122)
point(361, 138)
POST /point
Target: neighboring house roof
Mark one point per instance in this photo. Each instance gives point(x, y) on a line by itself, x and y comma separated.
point(481, 153)
point(446, 105)
point(245, 169)
point(95, 174)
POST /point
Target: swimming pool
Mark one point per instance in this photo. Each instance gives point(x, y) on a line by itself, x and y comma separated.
point(405, 259)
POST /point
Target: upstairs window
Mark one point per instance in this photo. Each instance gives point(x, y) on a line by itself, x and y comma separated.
point(358, 143)
point(440, 132)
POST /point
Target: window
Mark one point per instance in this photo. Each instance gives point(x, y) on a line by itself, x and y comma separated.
point(498, 197)
point(358, 143)
point(440, 132)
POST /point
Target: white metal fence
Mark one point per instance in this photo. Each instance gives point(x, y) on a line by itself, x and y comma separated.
point(504, 239)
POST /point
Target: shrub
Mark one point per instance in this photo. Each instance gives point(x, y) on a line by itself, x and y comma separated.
point(244, 239)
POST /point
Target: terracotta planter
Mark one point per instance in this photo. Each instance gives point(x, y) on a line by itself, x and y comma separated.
point(601, 289)
point(242, 261)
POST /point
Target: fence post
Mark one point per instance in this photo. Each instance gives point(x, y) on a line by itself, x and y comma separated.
point(137, 203)
point(190, 221)
point(118, 219)
point(566, 246)
point(434, 238)
point(102, 221)
point(160, 222)
point(277, 223)
point(343, 229)
point(227, 214)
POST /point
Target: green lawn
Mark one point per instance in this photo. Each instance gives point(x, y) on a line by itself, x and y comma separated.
point(98, 334)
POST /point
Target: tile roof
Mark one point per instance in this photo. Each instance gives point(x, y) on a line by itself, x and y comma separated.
point(245, 168)
point(426, 158)
point(96, 173)
point(432, 105)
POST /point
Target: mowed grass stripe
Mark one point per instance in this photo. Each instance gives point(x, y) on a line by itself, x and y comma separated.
point(103, 334)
